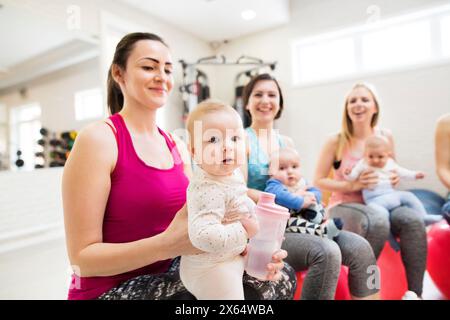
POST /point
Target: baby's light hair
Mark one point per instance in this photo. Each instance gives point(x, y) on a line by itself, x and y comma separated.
point(286, 150)
point(206, 107)
point(274, 159)
point(376, 141)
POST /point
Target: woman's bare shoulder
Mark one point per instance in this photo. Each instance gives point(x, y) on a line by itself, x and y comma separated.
point(98, 130)
point(332, 140)
point(444, 121)
point(98, 137)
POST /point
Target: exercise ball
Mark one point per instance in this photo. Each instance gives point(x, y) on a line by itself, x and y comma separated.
point(392, 274)
point(300, 277)
point(393, 284)
point(438, 262)
point(432, 201)
point(342, 291)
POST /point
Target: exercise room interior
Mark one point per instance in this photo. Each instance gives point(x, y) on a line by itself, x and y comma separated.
point(53, 69)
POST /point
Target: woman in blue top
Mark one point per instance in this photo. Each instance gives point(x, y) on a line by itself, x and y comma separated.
point(322, 257)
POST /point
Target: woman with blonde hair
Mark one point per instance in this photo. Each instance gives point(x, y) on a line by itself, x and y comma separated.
point(341, 152)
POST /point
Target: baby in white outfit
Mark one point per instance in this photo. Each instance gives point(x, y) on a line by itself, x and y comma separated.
point(383, 197)
point(220, 215)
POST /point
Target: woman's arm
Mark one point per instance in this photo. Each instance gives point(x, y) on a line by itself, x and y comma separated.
point(251, 193)
point(85, 190)
point(324, 166)
point(356, 171)
point(366, 179)
point(442, 150)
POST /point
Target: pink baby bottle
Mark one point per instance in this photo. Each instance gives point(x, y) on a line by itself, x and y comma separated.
point(272, 220)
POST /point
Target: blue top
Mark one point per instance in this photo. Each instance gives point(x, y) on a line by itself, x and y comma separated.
point(285, 198)
point(258, 162)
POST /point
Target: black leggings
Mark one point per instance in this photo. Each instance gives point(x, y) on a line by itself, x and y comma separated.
point(168, 286)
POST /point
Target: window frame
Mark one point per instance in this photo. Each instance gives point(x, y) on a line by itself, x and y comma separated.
point(437, 58)
point(77, 95)
point(14, 140)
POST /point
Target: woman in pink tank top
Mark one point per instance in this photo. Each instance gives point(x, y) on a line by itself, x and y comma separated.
point(124, 188)
point(341, 152)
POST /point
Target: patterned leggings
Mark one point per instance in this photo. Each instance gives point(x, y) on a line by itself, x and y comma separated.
point(168, 286)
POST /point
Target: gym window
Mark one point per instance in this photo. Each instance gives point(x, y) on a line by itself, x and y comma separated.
point(24, 133)
point(445, 35)
point(396, 44)
point(89, 104)
point(4, 161)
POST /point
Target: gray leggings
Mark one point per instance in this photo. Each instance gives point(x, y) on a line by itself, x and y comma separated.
point(375, 227)
point(323, 257)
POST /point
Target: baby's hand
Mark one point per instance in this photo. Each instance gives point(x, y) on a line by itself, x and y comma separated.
point(301, 192)
point(250, 225)
point(238, 212)
point(308, 200)
point(420, 175)
point(232, 217)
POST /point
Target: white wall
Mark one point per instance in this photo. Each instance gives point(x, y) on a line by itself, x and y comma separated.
point(33, 257)
point(410, 101)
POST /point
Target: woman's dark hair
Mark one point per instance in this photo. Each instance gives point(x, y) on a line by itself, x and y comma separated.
point(123, 50)
point(251, 85)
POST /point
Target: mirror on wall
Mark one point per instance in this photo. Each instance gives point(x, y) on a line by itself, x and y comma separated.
point(50, 84)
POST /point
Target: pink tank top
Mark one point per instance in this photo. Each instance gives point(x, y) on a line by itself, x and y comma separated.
point(336, 198)
point(142, 202)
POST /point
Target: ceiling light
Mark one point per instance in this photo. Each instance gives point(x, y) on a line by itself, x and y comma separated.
point(248, 15)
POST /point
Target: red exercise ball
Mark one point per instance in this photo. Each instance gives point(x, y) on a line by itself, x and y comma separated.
point(393, 278)
point(300, 277)
point(438, 261)
point(342, 290)
point(392, 272)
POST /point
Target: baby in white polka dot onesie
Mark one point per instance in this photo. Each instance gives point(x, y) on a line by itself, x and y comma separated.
point(220, 215)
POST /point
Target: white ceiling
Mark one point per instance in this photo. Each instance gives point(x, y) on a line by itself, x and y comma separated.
point(33, 44)
point(35, 39)
point(26, 28)
point(216, 20)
